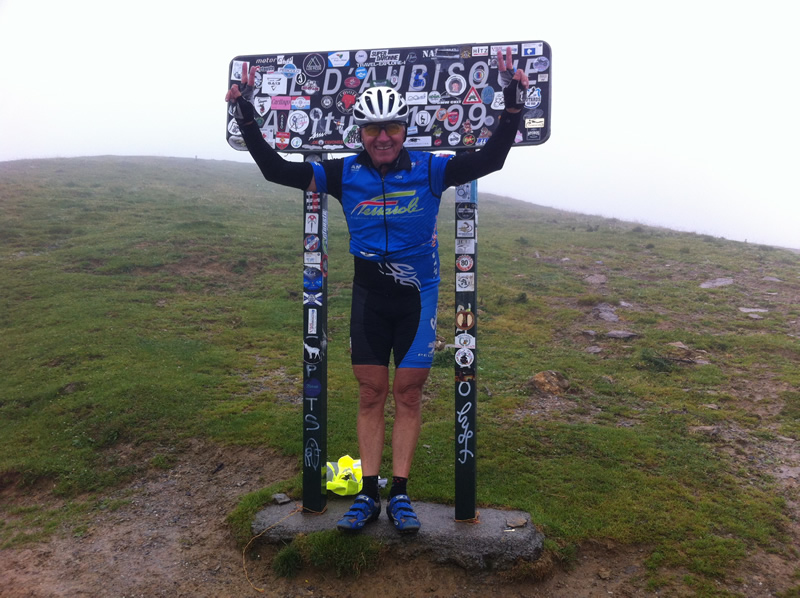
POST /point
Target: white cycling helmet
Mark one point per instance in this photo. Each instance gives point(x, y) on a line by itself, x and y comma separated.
point(380, 104)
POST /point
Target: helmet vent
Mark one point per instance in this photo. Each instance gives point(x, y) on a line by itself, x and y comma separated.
point(380, 104)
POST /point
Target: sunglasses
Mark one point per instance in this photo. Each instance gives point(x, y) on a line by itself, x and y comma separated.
point(374, 129)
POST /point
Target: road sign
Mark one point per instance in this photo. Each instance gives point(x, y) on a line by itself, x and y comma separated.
point(304, 101)
point(304, 104)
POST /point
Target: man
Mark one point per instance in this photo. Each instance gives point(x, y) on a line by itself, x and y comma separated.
point(390, 198)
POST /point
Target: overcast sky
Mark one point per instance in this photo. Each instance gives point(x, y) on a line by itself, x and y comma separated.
point(680, 114)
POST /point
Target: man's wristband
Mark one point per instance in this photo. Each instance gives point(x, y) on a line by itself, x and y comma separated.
point(514, 95)
point(243, 111)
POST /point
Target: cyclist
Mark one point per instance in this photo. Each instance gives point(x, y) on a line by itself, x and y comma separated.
point(390, 197)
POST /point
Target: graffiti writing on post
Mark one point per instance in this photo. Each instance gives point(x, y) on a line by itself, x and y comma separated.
point(312, 453)
point(466, 433)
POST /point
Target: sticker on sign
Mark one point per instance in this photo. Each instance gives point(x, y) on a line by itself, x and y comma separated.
point(452, 92)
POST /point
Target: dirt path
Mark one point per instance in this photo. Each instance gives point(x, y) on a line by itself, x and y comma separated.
point(169, 538)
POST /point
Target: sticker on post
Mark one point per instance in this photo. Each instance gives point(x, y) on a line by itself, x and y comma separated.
point(312, 299)
point(464, 263)
point(465, 281)
point(312, 243)
point(465, 320)
point(463, 193)
point(465, 211)
point(312, 350)
point(465, 246)
point(312, 224)
point(465, 229)
point(312, 321)
point(465, 357)
point(312, 388)
point(465, 341)
point(312, 278)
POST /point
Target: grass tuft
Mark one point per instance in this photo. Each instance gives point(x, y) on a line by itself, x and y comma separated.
point(136, 313)
point(345, 554)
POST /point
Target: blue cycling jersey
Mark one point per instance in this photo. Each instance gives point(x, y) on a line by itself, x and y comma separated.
point(391, 217)
point(392, 224)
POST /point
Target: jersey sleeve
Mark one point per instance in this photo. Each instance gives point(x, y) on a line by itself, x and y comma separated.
point(468, 166)
point(331, 175)
point(320, 177)
point(274, 168)
point(437, 173)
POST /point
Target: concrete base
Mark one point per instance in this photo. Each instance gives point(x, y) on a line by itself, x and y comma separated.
point(499, 540)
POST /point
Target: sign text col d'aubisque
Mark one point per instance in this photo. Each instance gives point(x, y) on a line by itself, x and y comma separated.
point(304, 101)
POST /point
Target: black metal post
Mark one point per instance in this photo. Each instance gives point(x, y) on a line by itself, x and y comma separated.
point(466, 325)
point(315, 340)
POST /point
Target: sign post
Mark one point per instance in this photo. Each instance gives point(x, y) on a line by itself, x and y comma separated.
point(466, 325)
point(304, 103)
point(315, 344)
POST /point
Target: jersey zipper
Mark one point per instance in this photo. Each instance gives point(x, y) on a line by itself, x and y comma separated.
point(385, 221)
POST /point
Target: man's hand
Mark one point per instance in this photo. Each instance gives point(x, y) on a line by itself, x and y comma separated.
point(514, 83)
point(240, 97)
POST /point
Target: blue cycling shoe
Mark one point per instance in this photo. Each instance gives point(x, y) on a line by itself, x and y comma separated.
point(363, 511)
point(402, 514)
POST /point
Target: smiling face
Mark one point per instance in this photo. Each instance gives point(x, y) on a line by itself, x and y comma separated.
point(384, 147)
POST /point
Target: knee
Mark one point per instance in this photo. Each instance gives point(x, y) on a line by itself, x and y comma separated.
point(408, 397)
point(372, 395)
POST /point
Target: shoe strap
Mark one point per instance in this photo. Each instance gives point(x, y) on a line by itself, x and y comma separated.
point(363, 505)
point(400, 505)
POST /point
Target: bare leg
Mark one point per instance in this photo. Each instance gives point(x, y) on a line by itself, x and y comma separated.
point(407, 391)
point(373, 388)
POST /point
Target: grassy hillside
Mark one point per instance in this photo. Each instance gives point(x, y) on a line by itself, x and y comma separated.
point(145, 301)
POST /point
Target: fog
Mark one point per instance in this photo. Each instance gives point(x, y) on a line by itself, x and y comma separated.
point(672, 114)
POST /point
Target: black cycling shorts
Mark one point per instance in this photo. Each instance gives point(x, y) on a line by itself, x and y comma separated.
point(393, 312)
